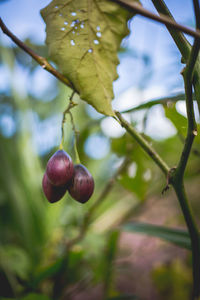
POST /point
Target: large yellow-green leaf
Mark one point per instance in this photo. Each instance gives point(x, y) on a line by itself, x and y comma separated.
point(83, 37)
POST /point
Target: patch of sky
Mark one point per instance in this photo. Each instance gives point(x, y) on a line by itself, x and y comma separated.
point(46, 133)
point(42, 85)
point(97, 146)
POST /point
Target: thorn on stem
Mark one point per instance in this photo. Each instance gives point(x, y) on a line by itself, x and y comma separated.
point(169, 179)
point(182, 71)
point(165, 189)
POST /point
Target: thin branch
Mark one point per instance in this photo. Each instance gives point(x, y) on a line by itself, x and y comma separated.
point(178, 37)
point(197, 13)
point(177, 178)
point(194, 235)
point(195, 151)
point(182, 44)
point(192, 127)
point(144, 144)
point(137, 8)
point(39, 59)
point(67, 111)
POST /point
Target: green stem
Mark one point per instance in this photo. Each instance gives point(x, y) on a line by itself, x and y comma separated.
point(196, 77)
point(178, 176)
point(182, 43)
point(197, 13)
point(67, 111)
point(77, 158)
point(180, 40)
point(144, 144)
point(192, 127)
point(193, 231)
point(62, 132)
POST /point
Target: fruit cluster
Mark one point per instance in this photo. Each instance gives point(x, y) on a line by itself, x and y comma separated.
point(61, 175)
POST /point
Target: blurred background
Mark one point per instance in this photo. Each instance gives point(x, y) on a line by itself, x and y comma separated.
point(106, 261)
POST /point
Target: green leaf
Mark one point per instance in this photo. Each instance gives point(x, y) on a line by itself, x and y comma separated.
point(178, 120)
point(83, 39)
point(178, 237)
point(135, 183)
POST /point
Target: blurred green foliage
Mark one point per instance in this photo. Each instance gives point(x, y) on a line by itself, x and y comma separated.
point(173, 281)
point(35, 262)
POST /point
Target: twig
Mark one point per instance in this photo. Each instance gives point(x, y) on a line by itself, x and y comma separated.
point(195, 151)
point(192, 127)
point(194, 235)
point(136, 8)
point(67, 111)
point(177, 179)
point(77, 158)
point(178, 37)
point(197, 13)
point(39, 59)
point(182, 44)
point(144, 144)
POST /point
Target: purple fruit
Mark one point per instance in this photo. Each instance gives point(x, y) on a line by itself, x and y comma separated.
point(52, 193)
point(82, 185)
point(60, 168)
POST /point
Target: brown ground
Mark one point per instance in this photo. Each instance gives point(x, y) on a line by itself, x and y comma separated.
point(139, 255)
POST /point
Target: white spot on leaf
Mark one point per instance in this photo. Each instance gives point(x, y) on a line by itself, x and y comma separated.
point(147, 175)
point(72, 42)
point(73, 24)
point(98, 28)
point(132, 170)
point(96, 42)
point(99, 34)
point(90, 50)
point(73, 13)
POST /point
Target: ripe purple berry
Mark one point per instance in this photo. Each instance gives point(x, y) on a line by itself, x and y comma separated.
point(60, 168)
point(52, 193)
point(82, 185)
